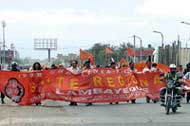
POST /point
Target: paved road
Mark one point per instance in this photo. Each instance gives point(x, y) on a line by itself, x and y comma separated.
point(55, 113)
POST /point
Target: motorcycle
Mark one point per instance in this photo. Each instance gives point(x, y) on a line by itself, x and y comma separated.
point(172, 100)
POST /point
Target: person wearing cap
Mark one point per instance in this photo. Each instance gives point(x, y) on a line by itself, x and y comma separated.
point(172, 75)
point(75, 70)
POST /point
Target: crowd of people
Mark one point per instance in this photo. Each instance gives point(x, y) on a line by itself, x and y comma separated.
point(75, 69)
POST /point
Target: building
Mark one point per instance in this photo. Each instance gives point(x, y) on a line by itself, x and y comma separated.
point(184, 56)
point(7, 56)
point(66, 59)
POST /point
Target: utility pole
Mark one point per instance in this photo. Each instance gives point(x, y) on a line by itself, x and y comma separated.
point(178, 50)
point(140, 39)
point(161, 57)
point(134, 48)
point(4, 57)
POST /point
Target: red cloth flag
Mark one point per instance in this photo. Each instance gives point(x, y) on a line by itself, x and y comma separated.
point(123, 61)
point(130, 52)
point(108, 51)
point(86, 55)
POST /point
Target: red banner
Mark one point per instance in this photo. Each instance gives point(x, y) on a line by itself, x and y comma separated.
point(108, 51)
point(95, 85)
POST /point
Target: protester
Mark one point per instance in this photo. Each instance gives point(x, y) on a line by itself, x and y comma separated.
point(53, 66)
point(187, 77)
point(2, 95)
point(36, 67)
point(60, 66)
point(132, 69)
point(180, 71)
point(87, 66)
point(149, 68)
point(14, 67)
point(74, 69)
point(187, 68)
point(113, 66)
point(154, 67)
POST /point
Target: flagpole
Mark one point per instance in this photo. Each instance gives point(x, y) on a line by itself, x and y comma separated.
point(134, 49)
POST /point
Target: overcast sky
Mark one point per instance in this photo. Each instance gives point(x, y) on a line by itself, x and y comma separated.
point(81, 23)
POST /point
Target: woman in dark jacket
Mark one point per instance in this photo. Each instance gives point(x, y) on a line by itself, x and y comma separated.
point(37, 66)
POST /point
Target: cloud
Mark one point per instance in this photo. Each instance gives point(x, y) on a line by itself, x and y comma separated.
point(53, 17)
point(166, 8)
point(65, 17)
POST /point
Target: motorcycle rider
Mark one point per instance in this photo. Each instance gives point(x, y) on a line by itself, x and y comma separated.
point(172, 75)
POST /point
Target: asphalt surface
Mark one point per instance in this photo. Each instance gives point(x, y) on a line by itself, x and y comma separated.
point(56, 113)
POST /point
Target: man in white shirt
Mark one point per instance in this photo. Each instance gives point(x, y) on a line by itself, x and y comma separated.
point(74, 69)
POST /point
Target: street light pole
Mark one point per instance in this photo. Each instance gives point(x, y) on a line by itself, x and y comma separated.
point(187, 23)
point(134, 48)
point(4, 59)
point(162, 36)
point(140, 46)
point(162, 41)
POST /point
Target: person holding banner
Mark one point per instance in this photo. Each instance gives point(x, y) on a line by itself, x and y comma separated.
point(187, 77)
point(14, 67)
point(149, 68)
point(132, 69)
point(113, 66)
point(154, 67)
point(75, 70)
point(87, 66)
point(2, 95)
point(37, 67)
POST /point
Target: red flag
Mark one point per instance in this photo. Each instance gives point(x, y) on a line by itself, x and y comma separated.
point(86, 55)
point(123, 61)
point(108, 51)
point(130, 52)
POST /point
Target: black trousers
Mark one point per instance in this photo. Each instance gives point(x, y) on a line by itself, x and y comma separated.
point(2, 97)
